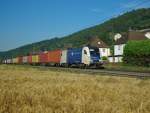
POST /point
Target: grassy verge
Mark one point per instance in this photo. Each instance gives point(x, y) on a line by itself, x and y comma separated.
point(25, 89)
point(123, 67)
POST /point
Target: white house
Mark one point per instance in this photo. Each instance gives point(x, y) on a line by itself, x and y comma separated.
point(119, 45)
point(103, 47)
point(104, 51)
point(122, 39)
point(119, 49)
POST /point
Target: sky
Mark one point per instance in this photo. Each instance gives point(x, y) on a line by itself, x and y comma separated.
point(27, 21)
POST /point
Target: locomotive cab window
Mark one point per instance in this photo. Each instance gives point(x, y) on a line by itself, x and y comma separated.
point(94, 51)
point(85, 52)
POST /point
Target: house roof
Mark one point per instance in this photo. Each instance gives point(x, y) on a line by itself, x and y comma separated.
point(134, 35)
point(122, 40)
point(131, 35)
point(97, 42)
point(144, 30)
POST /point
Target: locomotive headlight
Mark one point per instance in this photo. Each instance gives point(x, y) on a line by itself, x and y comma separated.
point(100, 61)
point(91, 61)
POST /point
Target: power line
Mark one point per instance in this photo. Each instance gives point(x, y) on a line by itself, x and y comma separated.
point(139, 4)
point(127, 9)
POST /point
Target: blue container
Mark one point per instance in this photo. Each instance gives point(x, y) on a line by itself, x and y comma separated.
point(74, 56)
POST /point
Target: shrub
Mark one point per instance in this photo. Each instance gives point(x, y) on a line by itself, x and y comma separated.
point(104, 58)
point(137, 53)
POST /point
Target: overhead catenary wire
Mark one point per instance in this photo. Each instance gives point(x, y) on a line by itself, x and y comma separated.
point(137, 4)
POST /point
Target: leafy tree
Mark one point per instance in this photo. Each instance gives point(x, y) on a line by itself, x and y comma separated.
point(137, 53)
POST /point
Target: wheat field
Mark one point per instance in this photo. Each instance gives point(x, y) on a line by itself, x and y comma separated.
point(24, 89)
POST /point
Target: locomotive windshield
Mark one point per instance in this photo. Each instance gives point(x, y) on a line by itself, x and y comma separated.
point(94, 52)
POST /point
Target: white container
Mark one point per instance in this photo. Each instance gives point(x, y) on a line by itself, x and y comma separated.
point(15, 60)
point(63, 59)
point(9, 61)
point(25, 59)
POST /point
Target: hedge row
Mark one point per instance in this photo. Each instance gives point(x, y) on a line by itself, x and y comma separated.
point(137, 53)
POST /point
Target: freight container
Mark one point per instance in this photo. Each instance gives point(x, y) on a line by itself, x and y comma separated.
point(25, 59)
point(20, 58)
point(63, 59)
point(5, 61)
point(43, 57)
point(74, 56)
point(54, 57)
point(9, 61)
point(30, 59)
point(35, 58)
point(15, 60)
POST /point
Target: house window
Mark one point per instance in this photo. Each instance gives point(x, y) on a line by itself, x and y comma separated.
point(119, 47)
point(104, 50)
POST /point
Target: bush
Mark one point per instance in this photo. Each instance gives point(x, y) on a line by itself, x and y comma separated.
point(104, 58)
point(137, 53)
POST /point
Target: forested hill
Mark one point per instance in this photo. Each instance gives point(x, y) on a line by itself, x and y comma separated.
point(137, 19)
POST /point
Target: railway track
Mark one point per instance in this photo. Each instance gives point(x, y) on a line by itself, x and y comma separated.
point(98, 72)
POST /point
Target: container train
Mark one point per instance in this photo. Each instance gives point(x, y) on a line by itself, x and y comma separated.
point(80, 57)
